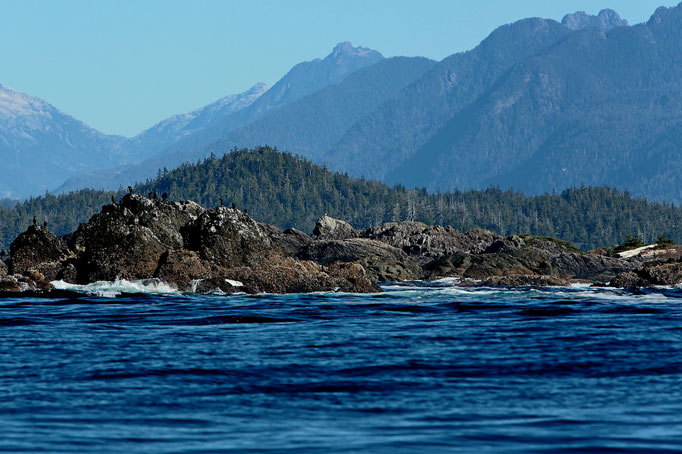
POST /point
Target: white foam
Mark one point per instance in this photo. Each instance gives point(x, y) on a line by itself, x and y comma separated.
point(112, 289)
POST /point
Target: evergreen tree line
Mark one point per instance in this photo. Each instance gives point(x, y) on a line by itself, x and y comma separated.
point(287, 191)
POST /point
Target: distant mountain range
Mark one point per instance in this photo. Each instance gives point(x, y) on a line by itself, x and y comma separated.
point(592, 107)
point(303, 79)
point(538, 106)
point(41, 146)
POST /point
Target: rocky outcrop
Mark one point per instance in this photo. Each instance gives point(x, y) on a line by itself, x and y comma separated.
point(665, 272)
point(524, 281)
point(606, 20)
point(224, 250)
point(36, 246)
point(288, 275)
point(328, 228)
point(127, 240)
point(29, 281)
point(179, 243)
point(425, 243)
point(383, 262)
point(289, 242)
point(181, 268)
point(530, 256)
point(227, 237)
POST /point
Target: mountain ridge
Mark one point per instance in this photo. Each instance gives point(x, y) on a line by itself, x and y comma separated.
point(27, 125)
point(606, 20)
point(595, 100)
point(301, 80)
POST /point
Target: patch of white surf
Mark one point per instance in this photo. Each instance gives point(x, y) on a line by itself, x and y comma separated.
point(111, 289)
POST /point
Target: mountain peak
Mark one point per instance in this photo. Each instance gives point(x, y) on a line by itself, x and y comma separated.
point(258, 88)
point(345, 48)
point(14, 104)
point(663, 14)
point(606, 20)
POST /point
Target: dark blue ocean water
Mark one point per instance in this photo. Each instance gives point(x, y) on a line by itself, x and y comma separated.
point(420, 368)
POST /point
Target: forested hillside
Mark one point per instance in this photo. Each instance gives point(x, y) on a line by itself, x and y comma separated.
point(595, 108)
point(287, 191)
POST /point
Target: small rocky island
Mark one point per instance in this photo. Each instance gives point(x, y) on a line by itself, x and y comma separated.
point(223, 249)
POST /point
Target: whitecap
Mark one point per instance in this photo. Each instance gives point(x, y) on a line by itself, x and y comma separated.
point(110, 289)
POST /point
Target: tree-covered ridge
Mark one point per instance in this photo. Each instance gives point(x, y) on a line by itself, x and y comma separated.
point(287, 191)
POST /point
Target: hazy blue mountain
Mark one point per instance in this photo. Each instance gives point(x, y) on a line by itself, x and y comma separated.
point(606, 20)
point(303, 79)
point(538, 106)
point(41, 146)
point(175, 128)
point(595, 108)
point(393, 132)
point(159, 137)
point(311, 125)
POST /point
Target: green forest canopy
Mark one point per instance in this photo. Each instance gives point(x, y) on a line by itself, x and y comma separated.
point(287, 191)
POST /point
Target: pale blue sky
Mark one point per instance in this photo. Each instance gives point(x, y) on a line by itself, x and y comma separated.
point(124, 65)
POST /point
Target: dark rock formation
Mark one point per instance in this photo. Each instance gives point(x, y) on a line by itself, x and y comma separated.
point(228, 237)
point(382, 261)
point(224, 250)
point(179, 243)
point(127, 240)
point(526, 261)
point(29, 281)
point(447, 266)
point(629, 279)
point(530, 256)
point(3, 269)
point(181, 268)
point(524, 281)
point(288, 275)
point(659, 272)
point(288, 242)
point(34, 247)
point(425, 243)
point(328, 228)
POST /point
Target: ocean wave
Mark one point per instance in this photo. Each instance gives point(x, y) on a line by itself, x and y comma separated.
point(111, 289)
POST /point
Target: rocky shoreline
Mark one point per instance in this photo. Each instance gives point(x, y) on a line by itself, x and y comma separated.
point(223, 249)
